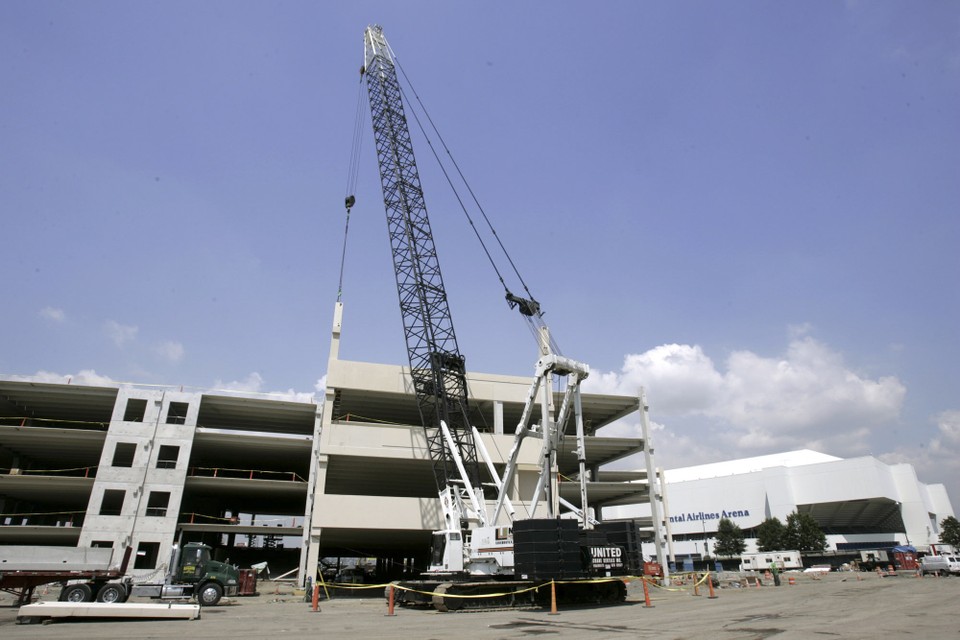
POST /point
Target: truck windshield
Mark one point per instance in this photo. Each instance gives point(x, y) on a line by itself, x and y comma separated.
point(197, 555)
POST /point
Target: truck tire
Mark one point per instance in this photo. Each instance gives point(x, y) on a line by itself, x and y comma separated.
point(112, 593)
point(209, 594)
point(76, 593)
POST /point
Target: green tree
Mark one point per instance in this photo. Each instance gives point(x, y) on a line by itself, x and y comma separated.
point(770, 535)
point(729, 539)
point(950, 531)
point(803, 533)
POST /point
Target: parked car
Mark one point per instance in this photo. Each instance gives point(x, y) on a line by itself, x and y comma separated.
point(353, 575)
point(939, 565)
point(954, 563)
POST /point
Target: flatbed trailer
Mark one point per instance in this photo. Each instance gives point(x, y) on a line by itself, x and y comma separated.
point(87, 574)
point(21, 583)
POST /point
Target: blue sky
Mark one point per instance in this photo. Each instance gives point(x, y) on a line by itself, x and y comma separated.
point(749, 207)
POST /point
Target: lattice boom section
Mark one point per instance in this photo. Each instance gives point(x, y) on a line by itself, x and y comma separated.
point(436, 365)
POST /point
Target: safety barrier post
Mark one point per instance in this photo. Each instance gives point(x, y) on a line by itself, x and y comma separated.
point(390, 602)
point(712, 595)
point(553, 598)
point(316, 597)
point(646, 594)
point(696, 586)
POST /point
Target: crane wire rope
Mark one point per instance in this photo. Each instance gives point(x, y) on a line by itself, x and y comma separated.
point(463, 178)
point(535, 319)
point(353, 173)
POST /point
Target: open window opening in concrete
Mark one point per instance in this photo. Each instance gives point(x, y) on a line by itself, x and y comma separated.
point(102, 544)
point(157, 503)
point(136, 410)
point(177, 413)
point(147, 555)
point(112, 503)
point(123, 454)
point(168, 456)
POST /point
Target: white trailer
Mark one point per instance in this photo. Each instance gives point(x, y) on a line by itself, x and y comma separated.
point(764, 560)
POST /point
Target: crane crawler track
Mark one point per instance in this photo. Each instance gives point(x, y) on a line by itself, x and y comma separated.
point(487, 595)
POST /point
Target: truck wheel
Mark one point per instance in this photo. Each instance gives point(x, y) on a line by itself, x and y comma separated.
point(112, 593)
point(209, 594)
point(76, 593)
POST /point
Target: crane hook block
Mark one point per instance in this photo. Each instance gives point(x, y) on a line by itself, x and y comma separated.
point(350, 201)
point(527, 307)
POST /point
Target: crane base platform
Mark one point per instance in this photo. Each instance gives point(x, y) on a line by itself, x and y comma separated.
point(43, 611)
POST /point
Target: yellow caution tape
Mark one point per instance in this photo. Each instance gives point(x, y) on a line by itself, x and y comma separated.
point(464, 596)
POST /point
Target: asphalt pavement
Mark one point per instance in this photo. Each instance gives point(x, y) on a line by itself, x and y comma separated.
point(837, 605)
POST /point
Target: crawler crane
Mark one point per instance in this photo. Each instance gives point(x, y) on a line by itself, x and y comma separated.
point(482, 548)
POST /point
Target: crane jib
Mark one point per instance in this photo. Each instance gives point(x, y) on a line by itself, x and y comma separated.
point(436, 365)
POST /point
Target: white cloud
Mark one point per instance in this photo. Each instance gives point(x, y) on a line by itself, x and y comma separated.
point(85, 376)
point(937, 460)
point(799, 330)
point(295, 396)
point(170, 350)
point(808, 397)
point(121, 334)
point(948, 423)
point(53, 314)
point(685, 380)
point(252, 383)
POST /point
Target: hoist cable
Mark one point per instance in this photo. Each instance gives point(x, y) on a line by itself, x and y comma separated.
point(466, 184)
point(343, 256)
point(453, 188)
point(353, 171)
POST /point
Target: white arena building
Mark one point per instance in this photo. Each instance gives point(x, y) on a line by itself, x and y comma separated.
point(859, 503)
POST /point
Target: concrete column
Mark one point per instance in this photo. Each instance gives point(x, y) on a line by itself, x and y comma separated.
point(653, 482)
point(315, 525)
